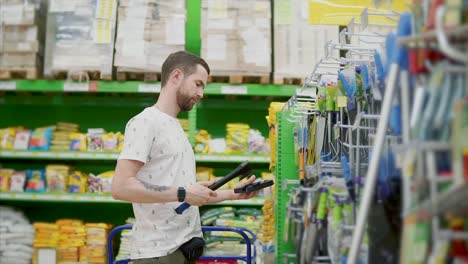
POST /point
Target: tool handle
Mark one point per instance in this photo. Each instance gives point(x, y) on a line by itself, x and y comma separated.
point(181, 208)
point(229, 177)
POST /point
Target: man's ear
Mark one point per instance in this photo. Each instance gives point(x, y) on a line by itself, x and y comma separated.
point(177, 76)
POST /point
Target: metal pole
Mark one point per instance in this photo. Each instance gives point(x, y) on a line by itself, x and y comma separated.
point(371, 176)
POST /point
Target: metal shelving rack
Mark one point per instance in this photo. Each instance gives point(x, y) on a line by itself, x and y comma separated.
point(286, 177)
point(439, 203)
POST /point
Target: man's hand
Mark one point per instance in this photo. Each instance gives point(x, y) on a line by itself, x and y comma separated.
point(239, 196)
point(198, 194)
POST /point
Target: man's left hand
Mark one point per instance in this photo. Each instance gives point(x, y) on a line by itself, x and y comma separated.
point(239, 196)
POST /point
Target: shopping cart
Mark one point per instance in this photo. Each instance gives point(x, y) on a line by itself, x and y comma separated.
point(249, 258)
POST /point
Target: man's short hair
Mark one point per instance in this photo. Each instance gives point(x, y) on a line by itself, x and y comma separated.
point(185, 61)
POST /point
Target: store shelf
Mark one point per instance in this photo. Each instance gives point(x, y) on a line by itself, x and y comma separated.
point(451, 202)
point(424, 146)
point(142, 87)
point(57, 197)
point(58, 155)
point(78, 155)
point(251, 89)
point(232, 158)
point(256, 201)
point(98, 198)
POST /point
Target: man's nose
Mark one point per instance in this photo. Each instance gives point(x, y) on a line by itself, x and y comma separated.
point(200, 94)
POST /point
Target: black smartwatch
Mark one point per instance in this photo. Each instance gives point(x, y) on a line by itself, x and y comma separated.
point(181, 194)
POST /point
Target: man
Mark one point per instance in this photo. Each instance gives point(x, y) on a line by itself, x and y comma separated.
point(156, 168)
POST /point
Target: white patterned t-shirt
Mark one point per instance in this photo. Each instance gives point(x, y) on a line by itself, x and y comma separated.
point(158, 140)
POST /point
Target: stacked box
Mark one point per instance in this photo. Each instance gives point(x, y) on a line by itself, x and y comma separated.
point(298, 44)
point(236, 36)
point(80, 37)
point(21, 35)
point(147, 32)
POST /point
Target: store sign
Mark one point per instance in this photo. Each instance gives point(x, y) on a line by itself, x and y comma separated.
point(231, 89)
point(75, 87)
point(149, 88)
point(340, 12)
point(8, 86)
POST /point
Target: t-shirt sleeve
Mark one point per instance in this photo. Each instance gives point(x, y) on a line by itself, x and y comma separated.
point(139, 134)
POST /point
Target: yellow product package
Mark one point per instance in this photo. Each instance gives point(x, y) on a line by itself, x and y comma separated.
point(94, 141)
point(97, 225)
point(77, 182)
point(78, 141)
point(236, 138)
point(5, 176)
point(45, 226)
point(110, 141)
point(69, 222)
point(202, 137)
point(121, 141)
point(106, 181)
point(204, 174)
point(7, 137)
point(57, 177)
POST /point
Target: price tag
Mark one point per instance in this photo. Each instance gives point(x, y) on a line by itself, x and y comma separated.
point(44, 154)
point(229, 89)
point(99, 198)
point(22, 196)
point(66, 197)
point(66, 155)
point(310, 92)
point(342, 101)
point(75, 87)
point(207, 157)
point(22, 153)
point(8, 86)
point(6, 153)
point(149, 88)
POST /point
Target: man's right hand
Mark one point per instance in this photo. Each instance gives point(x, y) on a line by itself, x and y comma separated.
point(198, 194)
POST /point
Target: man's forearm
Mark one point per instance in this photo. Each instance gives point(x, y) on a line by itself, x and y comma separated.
point(223, 195)
point(136, 191)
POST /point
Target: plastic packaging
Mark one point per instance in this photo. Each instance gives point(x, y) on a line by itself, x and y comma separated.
point(36, 181)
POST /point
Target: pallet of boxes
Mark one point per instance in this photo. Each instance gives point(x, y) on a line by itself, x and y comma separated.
point(147, 32)
point(236, 40)
point(21, 38)
point(80, 39)
point(299, 45)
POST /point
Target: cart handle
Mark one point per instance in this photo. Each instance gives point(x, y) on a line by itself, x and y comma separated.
point(242, 231)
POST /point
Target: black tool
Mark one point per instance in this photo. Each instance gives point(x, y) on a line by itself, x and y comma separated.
point(242, 171)
point(255, 186)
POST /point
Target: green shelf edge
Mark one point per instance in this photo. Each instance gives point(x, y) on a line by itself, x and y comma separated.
point(57, 155)
point(134, 87)
point(98, 198)
point(112, 156)
point(58, 197)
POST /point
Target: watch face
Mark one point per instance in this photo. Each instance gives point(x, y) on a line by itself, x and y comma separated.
point(181, 194)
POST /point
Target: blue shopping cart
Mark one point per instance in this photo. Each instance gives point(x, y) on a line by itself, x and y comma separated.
point(249, 258)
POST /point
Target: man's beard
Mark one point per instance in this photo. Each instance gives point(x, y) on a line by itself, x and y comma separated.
point(184, 102)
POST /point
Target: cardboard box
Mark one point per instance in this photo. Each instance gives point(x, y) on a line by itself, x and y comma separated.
point(21, 41)
point(147, 32)
point(236, 36)
point(298, 44)
point(80, 35)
